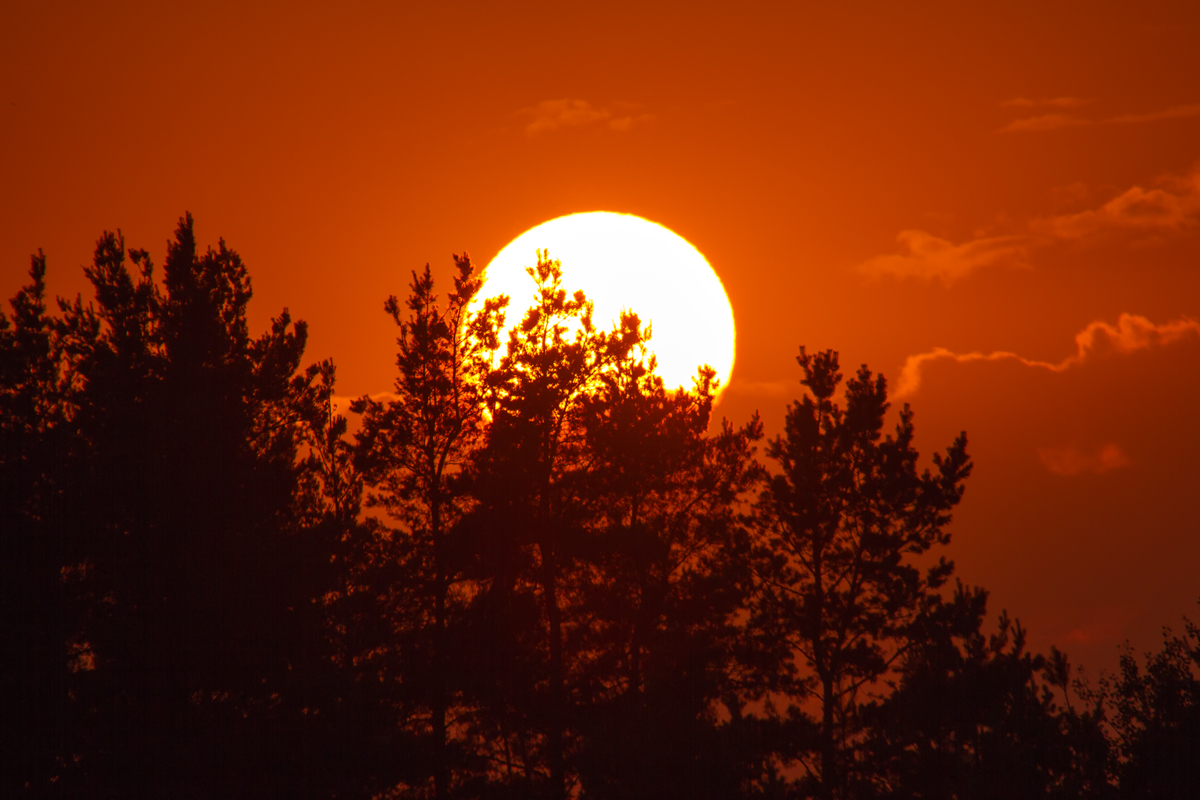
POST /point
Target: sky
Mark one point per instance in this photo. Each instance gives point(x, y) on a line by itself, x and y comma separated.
point(995, 205)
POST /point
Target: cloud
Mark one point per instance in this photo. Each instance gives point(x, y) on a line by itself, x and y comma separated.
point(1174, 204)
point(1177, 112)
point(1130, 334)
point(1071, 460)
point(1045, 102)
point(1045, 122)
point(550, 115)
point(1105, 627)
point(1055, 121)
point(930, 257)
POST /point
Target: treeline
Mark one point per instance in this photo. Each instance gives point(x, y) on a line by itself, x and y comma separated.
point(530, 572)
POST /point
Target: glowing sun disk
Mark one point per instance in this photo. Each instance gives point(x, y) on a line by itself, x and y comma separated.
point(624, 262)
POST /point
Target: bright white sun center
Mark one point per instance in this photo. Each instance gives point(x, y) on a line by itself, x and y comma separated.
point(623, 262)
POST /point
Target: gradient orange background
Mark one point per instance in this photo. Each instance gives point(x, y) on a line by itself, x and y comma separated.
point(1042, 158)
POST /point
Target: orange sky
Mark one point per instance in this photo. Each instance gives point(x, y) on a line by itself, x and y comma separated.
point(880, 178)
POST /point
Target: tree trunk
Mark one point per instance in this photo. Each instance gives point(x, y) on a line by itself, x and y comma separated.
point(558, 788)
point(440, 771)
point(828, 752)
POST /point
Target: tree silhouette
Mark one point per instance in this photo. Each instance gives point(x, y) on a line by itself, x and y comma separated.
point(1154, 718)
point(412, 450)
point(183, 525)
point(666, 589)
point(532, 573)
point(39, 646)
point(976, 715)
point(841, 524)
point(528, 480)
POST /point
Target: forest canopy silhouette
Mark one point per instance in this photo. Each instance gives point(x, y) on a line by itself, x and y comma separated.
point(530, 571)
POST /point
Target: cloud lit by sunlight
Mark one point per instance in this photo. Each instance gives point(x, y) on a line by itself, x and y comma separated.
point(1172, 205)
point(1175, 205)
point(930, 257)
point(1071, 460)
point(1056, 121)
point(1131, 333)
point(550, 115)
point(1045, 122)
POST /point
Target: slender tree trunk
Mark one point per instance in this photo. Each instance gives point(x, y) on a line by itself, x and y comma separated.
point(828, 752)
point(441, 775)
point(440, 771)
point(635, 651)
point(824, 672)
point(557, 715)
point(558, 781)
point(639, 627)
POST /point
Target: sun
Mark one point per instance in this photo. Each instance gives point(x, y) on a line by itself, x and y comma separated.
point(624, 262)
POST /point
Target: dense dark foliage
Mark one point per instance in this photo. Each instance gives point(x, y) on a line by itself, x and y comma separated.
point(1155, 718)
point(843, 519)
point(531, 571)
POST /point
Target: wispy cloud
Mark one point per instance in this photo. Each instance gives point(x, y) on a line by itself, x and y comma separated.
point(1173, 204)
point(1057, 120)
point(1071, 460)
point(928, 256)
point(1107, 626)
point(1045, 122)
point(1176, 112)
point(551, 115)
point(1131, 333)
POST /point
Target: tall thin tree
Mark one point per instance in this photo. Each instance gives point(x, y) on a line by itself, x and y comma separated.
point(667, 586)
point(553, 358)
point(412, 448)
point(842, 522)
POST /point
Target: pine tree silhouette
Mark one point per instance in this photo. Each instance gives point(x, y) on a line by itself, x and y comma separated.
point(181, 515)
point(532, 572)
point(412, 451)
point(39, 642)
point(666, 589)
point(841, 522)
